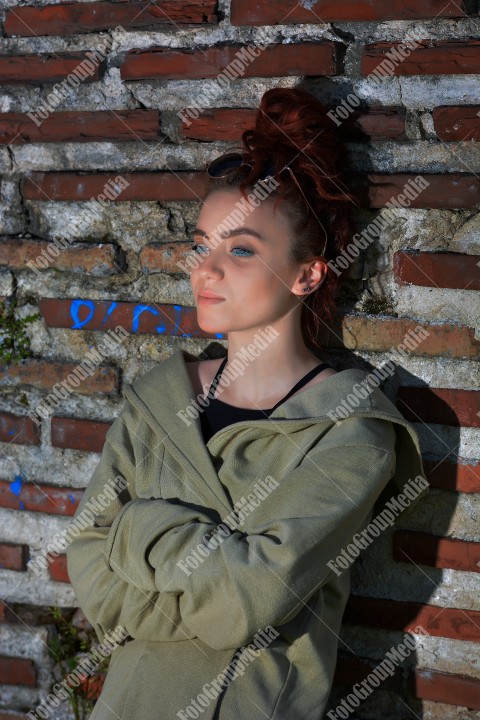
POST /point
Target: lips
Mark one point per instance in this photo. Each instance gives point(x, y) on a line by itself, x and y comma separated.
point(210, 295)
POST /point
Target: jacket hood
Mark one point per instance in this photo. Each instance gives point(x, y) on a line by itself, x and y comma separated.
point(164, 394)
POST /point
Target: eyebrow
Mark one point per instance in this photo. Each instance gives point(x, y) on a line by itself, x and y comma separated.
point(233, 233)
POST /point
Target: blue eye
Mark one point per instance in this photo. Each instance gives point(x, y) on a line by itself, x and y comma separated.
point(242, 249)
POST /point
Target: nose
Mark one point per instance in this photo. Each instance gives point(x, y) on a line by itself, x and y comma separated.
point(210, 265)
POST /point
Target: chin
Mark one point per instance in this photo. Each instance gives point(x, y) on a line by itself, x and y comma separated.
point(211, 327)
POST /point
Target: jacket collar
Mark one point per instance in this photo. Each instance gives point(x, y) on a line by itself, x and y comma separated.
point(165, 390)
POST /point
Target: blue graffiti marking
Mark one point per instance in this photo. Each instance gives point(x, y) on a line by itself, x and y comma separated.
point(112, 307)
point(75, 312)
point(138, 310)
point(16, 485)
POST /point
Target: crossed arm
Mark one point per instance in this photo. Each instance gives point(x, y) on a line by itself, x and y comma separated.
point(134, 570)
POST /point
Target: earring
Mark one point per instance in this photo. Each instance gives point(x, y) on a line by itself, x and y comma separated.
point(305, 289)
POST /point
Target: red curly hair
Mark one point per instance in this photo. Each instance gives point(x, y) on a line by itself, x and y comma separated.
point(292, 127)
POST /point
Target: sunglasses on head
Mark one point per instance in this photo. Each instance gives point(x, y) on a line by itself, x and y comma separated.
point(230, 162)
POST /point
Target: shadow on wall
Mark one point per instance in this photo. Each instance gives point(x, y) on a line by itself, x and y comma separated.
point(396, 588)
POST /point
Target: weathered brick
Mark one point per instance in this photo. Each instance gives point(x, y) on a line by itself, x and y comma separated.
point(11, 716)
point(366, 332)
point(161, 186)
point(17, 671)
point(445, 406)
point(250, 12)
point(393, 615)
point(78, 434)
point(441, 552)
point(34, 68)
point(163, 257)
point(98, 260)
point(453, 190)
point(446, 190)
point(18, 429)
point(455, 123)
point(76, 18)
point(45, 375)
point(305, 58)
point(13, 557)
point(430, 57)
point(28, 614)
point(39, 497)
point(228, 124)
point(438, 269)
point(378, 334)
point(57, 569)
point(74, 126)
point(446, 688)
point(448, 475)
point(157, 318)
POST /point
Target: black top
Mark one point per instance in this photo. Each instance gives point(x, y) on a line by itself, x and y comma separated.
point(218, 414)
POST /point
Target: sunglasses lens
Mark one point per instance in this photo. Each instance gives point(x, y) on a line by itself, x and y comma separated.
point(224, 165)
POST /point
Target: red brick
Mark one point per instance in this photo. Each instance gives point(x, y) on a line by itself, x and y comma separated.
point(377, 334)
point(11, 716)
point(34, 68)
point(157, 318)
point(228, 124)
point(78, 434)
point(40, 498)
point(440, 405)
point(452, 190)
point(305, 58)
point(3, 609)
point(393, 615)
point(18, 429)
point(30, 615)
point(13, 557)
point(100, 260)
point(75, 126)
point(76, 18)
point(438, 269)
point(163, 257)
point(440, 552)
point(375, 124)
point(457, 123)
point(281, 12)
point(430, 57)
point(448, 475)
point(45, 375)
point(161, 186)
point(447, 688)
point(367, 332)
point(17, 671)
point(57, 569)
point(446, 190)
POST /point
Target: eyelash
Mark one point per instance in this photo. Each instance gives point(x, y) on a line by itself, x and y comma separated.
point(237, 247)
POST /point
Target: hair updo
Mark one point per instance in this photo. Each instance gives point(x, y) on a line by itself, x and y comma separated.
point(292, 127)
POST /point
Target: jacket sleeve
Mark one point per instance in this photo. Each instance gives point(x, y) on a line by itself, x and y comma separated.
point(106, 599)
point(263, 574)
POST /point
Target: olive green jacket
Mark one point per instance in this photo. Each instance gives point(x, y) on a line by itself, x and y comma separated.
point(190, 601)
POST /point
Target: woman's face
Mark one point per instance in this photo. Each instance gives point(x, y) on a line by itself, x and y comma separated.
point(251, 273)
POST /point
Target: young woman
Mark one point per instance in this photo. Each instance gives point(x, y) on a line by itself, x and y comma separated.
point(240, 480)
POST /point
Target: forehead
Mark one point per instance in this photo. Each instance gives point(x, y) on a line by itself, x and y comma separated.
point(222, 204)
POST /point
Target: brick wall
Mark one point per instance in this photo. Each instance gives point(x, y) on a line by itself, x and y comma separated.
point(63, 142)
